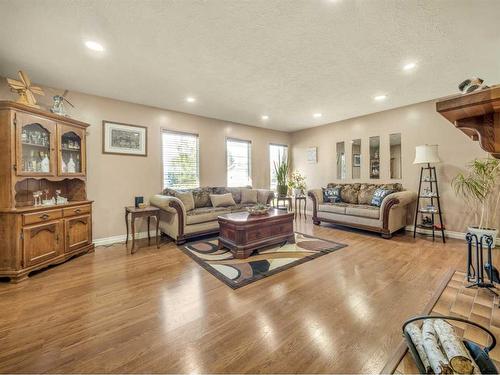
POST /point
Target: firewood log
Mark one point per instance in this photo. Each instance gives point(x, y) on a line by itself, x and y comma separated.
point(454, 348)
point(436, 357)
point(416, 337)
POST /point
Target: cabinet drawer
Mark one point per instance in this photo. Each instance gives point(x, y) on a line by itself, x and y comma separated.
point(40, 217)
point(73, 211)
point(285, 228)
point(258, 234)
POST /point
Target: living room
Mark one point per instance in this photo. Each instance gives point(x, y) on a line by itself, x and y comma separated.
point(145, 149)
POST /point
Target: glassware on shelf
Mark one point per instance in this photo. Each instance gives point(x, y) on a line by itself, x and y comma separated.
point(36, 198)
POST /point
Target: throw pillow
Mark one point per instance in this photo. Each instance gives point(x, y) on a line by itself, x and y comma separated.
point(248, 196)
point(332, 195)
point(222, 200)
point(379, 196)
point(186, 198)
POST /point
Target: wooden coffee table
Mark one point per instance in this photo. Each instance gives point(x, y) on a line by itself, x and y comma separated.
point(243, 233)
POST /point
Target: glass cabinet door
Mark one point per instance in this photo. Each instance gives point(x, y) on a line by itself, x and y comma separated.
point(72, 146)
point(35, 139)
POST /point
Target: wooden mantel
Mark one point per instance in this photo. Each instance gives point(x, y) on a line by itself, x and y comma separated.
point(476, 114)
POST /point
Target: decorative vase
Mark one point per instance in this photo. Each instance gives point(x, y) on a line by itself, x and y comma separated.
point(297, 192)
point(479, 232)
point(282, 190)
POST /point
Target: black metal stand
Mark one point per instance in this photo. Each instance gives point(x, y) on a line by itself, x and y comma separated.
point(434, 195)
point(476, 276)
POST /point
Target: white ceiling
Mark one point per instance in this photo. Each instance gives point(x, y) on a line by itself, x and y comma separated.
point(242, 59)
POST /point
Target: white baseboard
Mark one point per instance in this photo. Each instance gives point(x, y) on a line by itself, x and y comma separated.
point(121, 238)
point(447, 233)
point(409, 228)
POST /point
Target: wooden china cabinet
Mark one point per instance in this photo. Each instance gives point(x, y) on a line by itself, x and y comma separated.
point(45, 217)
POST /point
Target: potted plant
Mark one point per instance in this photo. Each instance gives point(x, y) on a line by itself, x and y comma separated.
point(297, 183)
point(479, 187)
point(281, 171)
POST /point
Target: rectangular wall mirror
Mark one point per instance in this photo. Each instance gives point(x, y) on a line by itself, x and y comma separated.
point(375, 157)
point(356, 159)
point(395, 154)
point(341, 162)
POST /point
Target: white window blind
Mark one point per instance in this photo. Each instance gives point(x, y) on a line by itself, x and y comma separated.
point(238, 162)
point(180, 152)
point(277, 153)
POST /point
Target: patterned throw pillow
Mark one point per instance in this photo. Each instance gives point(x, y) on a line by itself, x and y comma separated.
point(186, 198)
point(248, 196)
point(222, 200)
point(332, 195)
point(379, 196)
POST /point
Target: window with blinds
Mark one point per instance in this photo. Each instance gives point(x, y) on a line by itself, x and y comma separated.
point(238, 162)
point(180, 154)
point(277, 153)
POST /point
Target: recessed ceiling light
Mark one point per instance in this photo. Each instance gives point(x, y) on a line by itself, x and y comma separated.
point(317, 115)
point(265, 117)
point(190, 99)
point(94, 46)
point(410, 66)
point(379, 98)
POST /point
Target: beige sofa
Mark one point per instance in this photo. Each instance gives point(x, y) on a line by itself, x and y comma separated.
point(181, 224)
point(356, 209)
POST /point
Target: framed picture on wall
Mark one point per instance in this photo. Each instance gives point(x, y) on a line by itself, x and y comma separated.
point(356, 160)
point(312, 155)
point(124, 139)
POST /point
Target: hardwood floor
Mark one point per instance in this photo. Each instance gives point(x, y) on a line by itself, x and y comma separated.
point(159, 311)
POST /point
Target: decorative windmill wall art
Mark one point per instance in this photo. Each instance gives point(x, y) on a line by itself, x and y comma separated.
point(25, 90)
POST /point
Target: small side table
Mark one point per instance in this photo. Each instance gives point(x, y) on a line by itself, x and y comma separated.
point(298, 205)
point(148, 212)
point(284, 199)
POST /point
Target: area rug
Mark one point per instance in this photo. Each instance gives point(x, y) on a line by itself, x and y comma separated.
point(262, 263)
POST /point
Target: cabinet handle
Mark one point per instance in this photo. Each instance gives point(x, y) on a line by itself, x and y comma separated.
point(44, 217)
point(78, 211)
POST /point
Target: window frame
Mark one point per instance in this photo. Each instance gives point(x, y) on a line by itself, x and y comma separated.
point(269, 159)
point(167, 130)
point(249, 142)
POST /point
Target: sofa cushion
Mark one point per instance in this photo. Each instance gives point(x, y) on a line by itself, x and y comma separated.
point(365, 194)
point(379, 196)
point(241, 207)
point(336, 208)
point(186, 198)
point(205, 214)
point(349, 193)
point(222, 200)
point(201, 197)
point(363, 210)
point(248, 196)
point(332, 195)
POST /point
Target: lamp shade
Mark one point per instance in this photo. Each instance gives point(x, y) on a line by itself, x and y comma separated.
point(426, 154)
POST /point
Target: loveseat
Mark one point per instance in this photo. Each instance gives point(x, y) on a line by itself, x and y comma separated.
point(355, 206)
point(181, 222)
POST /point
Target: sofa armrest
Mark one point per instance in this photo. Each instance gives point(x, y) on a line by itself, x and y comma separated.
point(169, 204)
point(392, 201)
point(264, 196)
point(400, 198)
point(316, 196)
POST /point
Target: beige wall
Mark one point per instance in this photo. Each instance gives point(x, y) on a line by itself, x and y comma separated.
point(418, 124)
point(114, 180)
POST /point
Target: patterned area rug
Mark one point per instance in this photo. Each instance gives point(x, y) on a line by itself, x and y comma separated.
point(262, 263)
